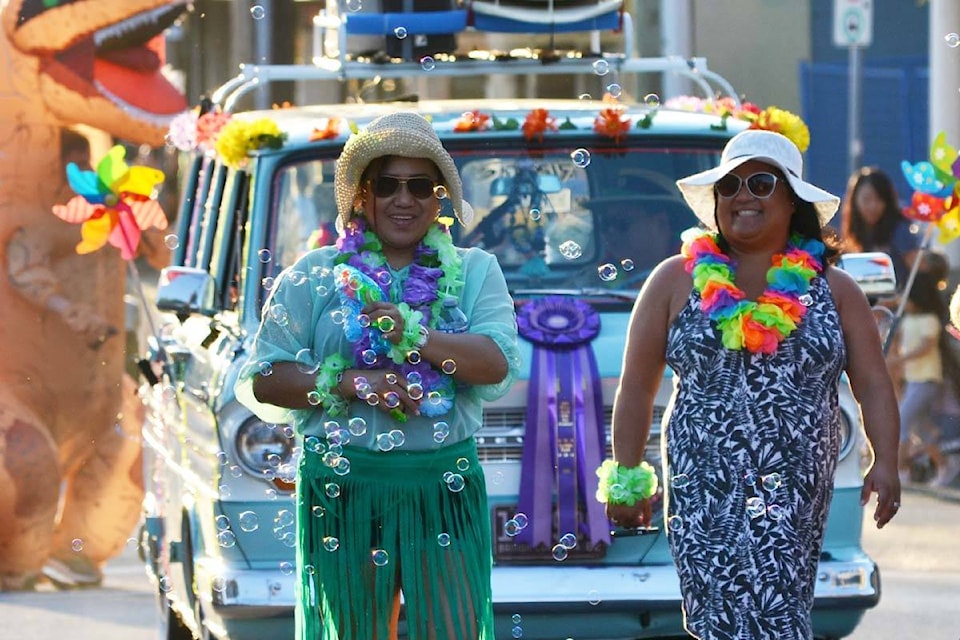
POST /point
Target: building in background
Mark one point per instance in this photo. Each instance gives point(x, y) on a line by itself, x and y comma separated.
point(776, 52)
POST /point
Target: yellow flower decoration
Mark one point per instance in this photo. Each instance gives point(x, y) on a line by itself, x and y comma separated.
point(239, 137)
point(785, 123)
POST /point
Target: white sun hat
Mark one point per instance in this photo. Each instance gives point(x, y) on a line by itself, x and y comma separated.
point(405, 134)
point(765, 146)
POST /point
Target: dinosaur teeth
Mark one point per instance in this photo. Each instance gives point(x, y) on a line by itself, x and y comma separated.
point(143, 25)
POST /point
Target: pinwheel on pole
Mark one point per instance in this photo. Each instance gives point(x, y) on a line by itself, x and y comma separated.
point(935, 202)
point(114, 205)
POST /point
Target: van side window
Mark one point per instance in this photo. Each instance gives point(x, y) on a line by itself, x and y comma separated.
point(306, 211)
point(227, 257)
point(195, 189)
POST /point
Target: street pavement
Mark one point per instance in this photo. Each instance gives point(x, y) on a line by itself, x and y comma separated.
point(122, 609)
point(918, 554)
point(919, 557)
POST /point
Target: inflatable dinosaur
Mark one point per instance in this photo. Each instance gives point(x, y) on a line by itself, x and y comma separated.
point(70, 477)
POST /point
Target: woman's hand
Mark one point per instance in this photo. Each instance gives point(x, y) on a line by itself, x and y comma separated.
point(629, 517)
point(389, 388)
point(884, 480)
point(387, 317)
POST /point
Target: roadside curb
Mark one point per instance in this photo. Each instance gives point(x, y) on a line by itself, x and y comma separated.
point(949, 493)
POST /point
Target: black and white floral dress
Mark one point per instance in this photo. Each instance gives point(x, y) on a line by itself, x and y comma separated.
point(751, 449)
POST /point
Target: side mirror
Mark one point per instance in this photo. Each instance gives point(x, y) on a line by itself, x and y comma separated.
point(872, 271)
point(186, 291)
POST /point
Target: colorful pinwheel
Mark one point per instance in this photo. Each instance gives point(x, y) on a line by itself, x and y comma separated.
point(115, 204)
point(936, 190)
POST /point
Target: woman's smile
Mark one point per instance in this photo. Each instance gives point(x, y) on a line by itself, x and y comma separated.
point(403, 211)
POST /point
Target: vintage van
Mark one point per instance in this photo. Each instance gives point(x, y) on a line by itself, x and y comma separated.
point(577, 217)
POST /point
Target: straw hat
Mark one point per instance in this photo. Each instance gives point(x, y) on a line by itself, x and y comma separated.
point(404, 134)
point(755, 144)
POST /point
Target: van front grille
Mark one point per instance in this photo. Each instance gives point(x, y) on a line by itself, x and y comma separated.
point(501, 438)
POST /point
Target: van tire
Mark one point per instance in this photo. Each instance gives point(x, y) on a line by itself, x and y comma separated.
point(171, 626)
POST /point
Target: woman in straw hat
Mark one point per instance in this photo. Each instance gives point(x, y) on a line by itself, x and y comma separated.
point(387, 396)
point(758, 329)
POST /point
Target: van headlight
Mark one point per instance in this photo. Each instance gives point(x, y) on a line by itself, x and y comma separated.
point(265, 450)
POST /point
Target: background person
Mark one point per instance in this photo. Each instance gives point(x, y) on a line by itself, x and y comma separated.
point(871, 220)
point(391, 495)
point(758, 328)
point(640, 233)
point(925, 356)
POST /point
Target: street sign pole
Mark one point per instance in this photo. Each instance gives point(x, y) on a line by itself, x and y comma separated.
point(853, 28)
point(855, 148)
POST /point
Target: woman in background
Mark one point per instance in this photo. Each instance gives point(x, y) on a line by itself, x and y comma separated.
point(871, 220)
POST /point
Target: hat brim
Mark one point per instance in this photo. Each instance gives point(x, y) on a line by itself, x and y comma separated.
point(395, 140)
point(698, 191)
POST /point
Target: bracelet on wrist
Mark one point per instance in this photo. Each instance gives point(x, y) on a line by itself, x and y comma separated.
point(625, 485)
point(326, 390)
point(422, 339)
point(414, 337)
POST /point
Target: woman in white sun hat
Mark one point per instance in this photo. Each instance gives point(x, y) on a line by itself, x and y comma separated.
point(355, 350)
point(758, 328)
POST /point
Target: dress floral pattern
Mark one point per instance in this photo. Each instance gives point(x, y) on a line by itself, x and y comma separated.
point(751, 449)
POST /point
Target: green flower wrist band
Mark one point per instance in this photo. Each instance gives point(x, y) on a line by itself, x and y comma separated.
point(328, 379)
point(625, 485)
point(414, 334)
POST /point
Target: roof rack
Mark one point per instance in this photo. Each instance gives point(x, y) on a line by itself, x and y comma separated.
point(343, 68)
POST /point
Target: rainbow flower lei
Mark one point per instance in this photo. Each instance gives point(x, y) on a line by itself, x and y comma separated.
point(762, 325)
point(436, 267)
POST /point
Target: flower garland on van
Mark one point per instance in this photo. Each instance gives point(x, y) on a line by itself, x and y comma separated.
point(233, 139)
point(239, 138)
point(771, 119)
point(612, 122)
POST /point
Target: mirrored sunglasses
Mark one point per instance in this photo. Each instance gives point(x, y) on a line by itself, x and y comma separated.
point(387, 186)
point(760, 185)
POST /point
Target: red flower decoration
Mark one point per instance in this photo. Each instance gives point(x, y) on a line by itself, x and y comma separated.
point(925, 207)
point(611, 123)
point(331, 130)
point(538, 122)
point(472, 121)
point(749, 107)
point(209, 126)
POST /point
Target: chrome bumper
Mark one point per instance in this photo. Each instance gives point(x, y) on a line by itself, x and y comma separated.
point(246, 593)
point(252, 593)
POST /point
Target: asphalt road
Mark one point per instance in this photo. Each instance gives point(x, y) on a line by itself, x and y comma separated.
point(918, 553)
point(919, 558)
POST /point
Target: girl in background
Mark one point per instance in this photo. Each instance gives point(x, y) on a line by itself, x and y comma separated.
point(928, 363)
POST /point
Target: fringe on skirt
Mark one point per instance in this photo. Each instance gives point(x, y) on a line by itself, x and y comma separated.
point(413, 520)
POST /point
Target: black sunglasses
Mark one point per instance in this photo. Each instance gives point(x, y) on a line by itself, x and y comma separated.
point(760, 185)
point(387, 186)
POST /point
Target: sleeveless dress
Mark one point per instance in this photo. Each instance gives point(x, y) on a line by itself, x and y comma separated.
point(751, 448)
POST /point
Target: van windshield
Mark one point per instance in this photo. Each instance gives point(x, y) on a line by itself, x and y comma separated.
point(556, 221)
point(565, 220)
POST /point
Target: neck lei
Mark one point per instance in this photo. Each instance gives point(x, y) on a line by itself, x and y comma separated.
point(436, 268)
point(758, 326)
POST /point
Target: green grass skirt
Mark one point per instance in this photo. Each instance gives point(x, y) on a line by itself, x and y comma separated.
point(413, 520)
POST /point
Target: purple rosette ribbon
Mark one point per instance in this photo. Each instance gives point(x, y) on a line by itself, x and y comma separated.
point(565, 440)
